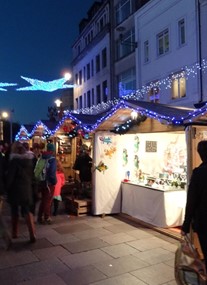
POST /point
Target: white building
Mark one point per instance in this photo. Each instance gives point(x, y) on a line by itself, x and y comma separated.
point(171, 38)
point(91, 58)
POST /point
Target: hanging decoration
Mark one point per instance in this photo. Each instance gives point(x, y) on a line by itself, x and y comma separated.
point(6, 85)
point(49, 86)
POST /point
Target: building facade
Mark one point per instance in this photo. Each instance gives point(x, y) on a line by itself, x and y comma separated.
point(169, 56)
point(152, 49)
point(91, 58)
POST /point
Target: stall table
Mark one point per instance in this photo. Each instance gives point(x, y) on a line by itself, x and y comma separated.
point(161, 208)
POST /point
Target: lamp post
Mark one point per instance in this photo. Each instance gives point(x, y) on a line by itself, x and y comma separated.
point(58, 103)
point(67, 76)
point(3, 115)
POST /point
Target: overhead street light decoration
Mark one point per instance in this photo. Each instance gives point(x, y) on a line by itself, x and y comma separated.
point(48, 86)
point(6, 85)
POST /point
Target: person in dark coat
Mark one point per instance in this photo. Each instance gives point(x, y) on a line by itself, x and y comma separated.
point(3, 229)
point(2, 170)
point(83, 164)
point(196, 206)
point(19, 188)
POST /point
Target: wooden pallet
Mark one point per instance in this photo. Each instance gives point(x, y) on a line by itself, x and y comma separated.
point(79, 207)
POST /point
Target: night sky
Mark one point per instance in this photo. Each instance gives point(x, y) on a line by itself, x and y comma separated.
point(36, 39)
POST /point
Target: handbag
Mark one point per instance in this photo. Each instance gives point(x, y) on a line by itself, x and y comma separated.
point(189, 268)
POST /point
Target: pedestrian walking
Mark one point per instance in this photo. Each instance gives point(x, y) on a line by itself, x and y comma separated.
point(45, 172)
point(34, 183)
point(60, 183)
point(19, 188)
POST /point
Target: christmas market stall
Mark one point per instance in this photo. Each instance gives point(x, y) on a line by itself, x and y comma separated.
point(143, 156)
point(23, 134)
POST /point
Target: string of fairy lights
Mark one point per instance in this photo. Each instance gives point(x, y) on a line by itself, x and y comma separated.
point(111, 106)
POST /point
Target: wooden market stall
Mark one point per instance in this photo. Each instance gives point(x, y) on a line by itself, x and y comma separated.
point(142, 167)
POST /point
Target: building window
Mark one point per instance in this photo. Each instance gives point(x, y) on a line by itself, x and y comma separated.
point(105, 91)
point(93, 97)
point(178, 86)
point(127, 82)
point(92, 68)
point(81, 102)
point(126, 45)
point(84, 73)
point(98, 94)
point(88, 99)
point(84, 101)
point(88, 71)
point(154, 93)
point(146, 51)
point(76, 103)
point(76, 78)
point(104, 58)
point(122, 10)
point(181, 32)
point(163, 42)
point(80, 77)
point(79, 49)
point(97, 63)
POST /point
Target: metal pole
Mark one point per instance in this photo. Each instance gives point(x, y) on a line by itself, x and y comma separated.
point(1, 130)
point(11, 133)
point(11, 126)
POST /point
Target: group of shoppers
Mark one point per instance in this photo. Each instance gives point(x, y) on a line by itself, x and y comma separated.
point(22, 190)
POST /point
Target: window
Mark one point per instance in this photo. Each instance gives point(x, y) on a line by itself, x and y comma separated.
point(104, 58)
point(93, 99)
point(122, 11)
point(105, 91)
point(98, 94)
point(92, 68)
point(88, 71)
point(181, 32)
point(126, 45)
point(80, 77)
point(88, 104)
point(154, 93)
point(178, 86)
point(80, 102)
point(146, 51)
point(97, 63)
point(127, 82)
point(76, 103)
point(76, 78)
point(84, 101)
point(163, 42)
point(84, 73)
point(79, 49)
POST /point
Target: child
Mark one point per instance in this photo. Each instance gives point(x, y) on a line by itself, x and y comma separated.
point(60, 182)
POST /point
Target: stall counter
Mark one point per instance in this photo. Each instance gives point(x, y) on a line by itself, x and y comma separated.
point(156, 207)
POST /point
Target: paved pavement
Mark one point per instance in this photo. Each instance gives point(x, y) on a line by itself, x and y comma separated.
point(89, 250)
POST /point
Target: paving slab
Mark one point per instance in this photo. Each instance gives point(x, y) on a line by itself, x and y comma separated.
point(85, 245)
point(89, 250)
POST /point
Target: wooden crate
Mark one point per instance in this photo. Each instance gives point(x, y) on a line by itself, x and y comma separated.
point(78, 206)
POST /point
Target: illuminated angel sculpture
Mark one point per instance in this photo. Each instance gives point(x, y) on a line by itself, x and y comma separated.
point(49, 86)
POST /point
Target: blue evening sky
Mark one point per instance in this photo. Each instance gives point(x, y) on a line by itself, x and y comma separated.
point(35, 41)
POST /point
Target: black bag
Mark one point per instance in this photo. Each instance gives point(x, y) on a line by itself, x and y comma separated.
point(189, 268)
